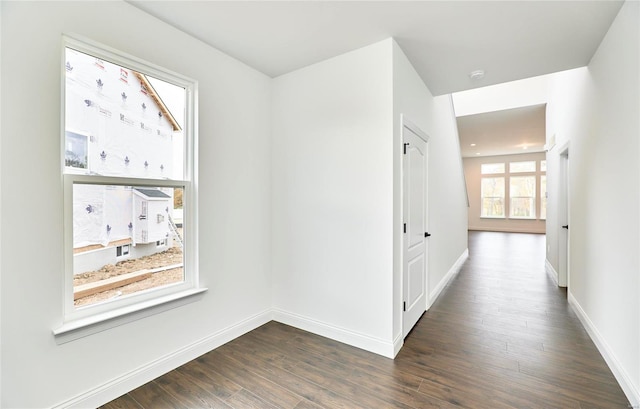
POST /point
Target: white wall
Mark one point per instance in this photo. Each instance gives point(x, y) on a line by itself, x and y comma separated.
point(333, 197)
point(447, 198)
point(595, 111)
point(520, 93)
point(234, 203)
point(337, 159)
point(1, 114)
point(473, 179)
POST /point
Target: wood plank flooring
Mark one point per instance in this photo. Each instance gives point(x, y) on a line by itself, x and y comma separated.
point(501, 335)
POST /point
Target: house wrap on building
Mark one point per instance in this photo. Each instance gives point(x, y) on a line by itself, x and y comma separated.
point(117, 125)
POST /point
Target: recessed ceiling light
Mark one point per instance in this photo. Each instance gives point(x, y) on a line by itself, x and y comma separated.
point(477, 153)
point(525, 147)
point(473, 144)
point(476, 75)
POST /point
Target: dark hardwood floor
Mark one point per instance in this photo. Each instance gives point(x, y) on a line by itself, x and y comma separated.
point(501, 335)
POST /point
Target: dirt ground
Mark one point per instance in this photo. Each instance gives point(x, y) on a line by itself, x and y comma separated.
point(169, 257)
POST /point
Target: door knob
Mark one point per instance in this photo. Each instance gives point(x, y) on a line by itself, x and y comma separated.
point(427, 234)
point(566, 226)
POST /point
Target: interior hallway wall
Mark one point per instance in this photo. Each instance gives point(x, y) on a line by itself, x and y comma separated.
point(447, 207)
point(337, 228)
point(594, 112)
point(234, 186)
point(333, 197)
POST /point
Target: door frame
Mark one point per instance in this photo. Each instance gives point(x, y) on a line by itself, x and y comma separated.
point(563, 218)
point(412, 127)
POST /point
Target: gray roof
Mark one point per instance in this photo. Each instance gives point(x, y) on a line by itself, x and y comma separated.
point(155, 193)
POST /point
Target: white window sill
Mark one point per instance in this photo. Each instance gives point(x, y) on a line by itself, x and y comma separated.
point(83, 327)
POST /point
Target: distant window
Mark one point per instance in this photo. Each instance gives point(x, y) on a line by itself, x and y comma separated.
point(492, 193)
point(492, 168)
point(521, 167)
point(122, 251)
point(522, 193)
point(519, 183)
point(128, 147)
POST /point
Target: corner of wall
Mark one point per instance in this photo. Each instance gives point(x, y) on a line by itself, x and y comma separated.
point(344, 335)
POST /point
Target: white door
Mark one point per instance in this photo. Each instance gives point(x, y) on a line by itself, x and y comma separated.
point(563, 219)
point(415, 226)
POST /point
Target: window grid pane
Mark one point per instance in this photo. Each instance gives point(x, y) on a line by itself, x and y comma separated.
point(492, 168)
point(522, 192)
point(520, 167)
point(492, 192)
point(120, 122)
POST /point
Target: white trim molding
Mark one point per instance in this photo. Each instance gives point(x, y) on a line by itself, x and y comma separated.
point(358, 340)
point(118, 386)
point(398, 342)
point(548, 267)
point(541, 230)
point(455, 268)
point(630, 390)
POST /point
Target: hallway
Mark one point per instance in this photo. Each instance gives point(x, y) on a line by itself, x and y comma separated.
point(501, 335)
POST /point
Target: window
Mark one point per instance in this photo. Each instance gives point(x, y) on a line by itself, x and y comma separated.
point(522, 193)
point(128, 152)
point(521, 167)
point(518, 181)
point(492, 168)
point(492, 193)
point(122, 251)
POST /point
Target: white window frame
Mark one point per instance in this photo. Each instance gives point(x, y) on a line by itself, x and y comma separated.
point(536, 177)
point(518, 172)
point(504, 199)
point(507, 175)
point(483, 172)
point(97, 315)
point(125, 250)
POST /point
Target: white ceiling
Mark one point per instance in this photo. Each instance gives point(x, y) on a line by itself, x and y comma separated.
point(511, 131)
point(444, 40)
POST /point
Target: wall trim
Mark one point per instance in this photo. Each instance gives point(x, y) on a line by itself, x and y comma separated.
point(548, 267)
point(356, 339)
point(122, 384)
point(455, 268)
point(630, 390)
point(508, 230)
point(398, 342)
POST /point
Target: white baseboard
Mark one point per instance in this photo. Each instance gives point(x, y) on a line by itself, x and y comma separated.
point(507, 229)
point(397, 344)
point(551, 271)
point(630, 390)
point(139, 376)
point(455, 268)
point(358, 340)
